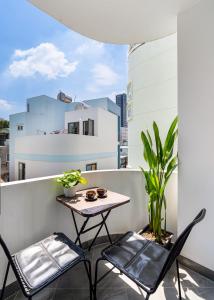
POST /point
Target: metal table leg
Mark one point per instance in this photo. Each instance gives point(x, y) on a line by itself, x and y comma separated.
point(102, 223)
point(83, 230)
point(109, 237)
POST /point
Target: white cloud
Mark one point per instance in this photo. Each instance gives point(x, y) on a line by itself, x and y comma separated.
point(45, 59)
point(90, 47)
point(104, 76)
point(82, 49)
point(112, 96)
point(92, 88)
point(5, 105)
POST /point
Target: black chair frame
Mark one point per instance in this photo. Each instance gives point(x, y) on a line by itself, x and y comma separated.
point(173, 256)
point(22, 285)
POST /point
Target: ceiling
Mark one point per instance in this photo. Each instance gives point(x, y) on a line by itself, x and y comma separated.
point(117, 21)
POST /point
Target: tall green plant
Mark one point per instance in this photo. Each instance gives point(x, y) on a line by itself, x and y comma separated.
point(161, 164)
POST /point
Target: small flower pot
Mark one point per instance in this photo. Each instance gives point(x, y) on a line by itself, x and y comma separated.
point(70, 192)
point(166, 241)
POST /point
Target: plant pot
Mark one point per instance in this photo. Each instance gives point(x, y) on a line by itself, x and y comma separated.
point(70, 192)
point(166, 241)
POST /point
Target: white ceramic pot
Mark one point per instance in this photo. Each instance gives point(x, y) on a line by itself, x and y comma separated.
point(71, 192)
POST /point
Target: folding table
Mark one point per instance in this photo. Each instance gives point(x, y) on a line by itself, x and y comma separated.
point(90, 209)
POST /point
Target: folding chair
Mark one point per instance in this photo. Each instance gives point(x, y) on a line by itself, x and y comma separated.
point(42, 263)
point(144, 262)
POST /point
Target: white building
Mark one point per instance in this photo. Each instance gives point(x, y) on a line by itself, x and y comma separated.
point(152, 91)
point(42, 145)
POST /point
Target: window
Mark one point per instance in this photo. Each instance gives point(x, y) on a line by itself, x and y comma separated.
point(21, 171)
point(73, 127)
point(28, 107)
point(20, 127)
point(91, 167)
point(88, 127)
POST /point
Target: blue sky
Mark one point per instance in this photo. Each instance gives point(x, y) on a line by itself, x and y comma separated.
point(38, 56)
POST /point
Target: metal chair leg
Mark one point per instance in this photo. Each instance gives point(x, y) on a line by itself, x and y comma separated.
point(179, 282)
point(88, 270)
point(96, 277)
point(5, 281)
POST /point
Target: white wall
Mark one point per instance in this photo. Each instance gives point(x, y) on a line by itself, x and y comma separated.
point(46, 115)
point(51, 154)
point(64, 144)
point(29, 211)
point(84, 115)
point(35, 169)
point(196, 139)
point(54, 153)
point(153, 74)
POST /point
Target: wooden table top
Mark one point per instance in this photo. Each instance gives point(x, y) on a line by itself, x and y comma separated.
point(93, 208)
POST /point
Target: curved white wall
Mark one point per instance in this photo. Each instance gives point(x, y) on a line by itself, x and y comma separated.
point(29, 211)
point(153, 76)
point(196, 142)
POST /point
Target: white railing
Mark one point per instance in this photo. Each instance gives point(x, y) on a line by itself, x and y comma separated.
point(29, 210)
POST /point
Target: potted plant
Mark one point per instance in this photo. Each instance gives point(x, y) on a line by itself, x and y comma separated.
point(161, 161)
point(69, 181)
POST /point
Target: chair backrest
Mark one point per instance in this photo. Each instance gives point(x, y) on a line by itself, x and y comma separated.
point(178, 245)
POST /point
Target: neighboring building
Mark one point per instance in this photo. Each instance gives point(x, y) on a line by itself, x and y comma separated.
point(53, 136)
point(123, 156)
point(4, 154)
point(4, 135)
point(151, 91)
point(124, 136)
point(121, 101)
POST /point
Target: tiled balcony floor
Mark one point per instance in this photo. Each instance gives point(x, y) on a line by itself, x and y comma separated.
point(74, 286)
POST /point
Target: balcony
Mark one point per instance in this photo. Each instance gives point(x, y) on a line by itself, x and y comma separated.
point(32, 205)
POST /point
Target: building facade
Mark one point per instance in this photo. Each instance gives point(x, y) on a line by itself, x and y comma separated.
point(151, 92)
point(4, 154)
point(121, 101)
point(54, 136)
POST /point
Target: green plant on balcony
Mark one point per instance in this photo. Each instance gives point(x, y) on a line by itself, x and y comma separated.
point(69, 180)
point(161, 161)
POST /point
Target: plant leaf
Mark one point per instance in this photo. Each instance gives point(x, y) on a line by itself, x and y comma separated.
point(168, 141)
point(158, 143)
